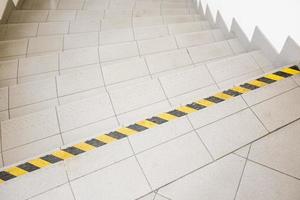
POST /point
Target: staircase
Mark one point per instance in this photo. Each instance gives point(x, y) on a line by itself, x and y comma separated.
point(73, 70)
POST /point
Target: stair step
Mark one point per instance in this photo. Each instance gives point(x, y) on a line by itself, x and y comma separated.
point(93, 108)
point(232, 105)
point(28, 30)
point(90, 75)
point(26, 69)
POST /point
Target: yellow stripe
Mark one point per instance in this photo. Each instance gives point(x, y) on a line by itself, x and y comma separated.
point(62, 154)
point(222, 95)
point(274, 77)
point(146, 124)
point(106, 139)
point(290, 71)
point(240, 89)
point(126, 131)
point(186, 109)
point(257, 83)
point(39, 163)
point(206, 103)
point(16, 171)
point(167, 116)
point(84, 146)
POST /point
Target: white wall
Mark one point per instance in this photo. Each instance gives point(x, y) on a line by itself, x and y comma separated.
point(277, 19)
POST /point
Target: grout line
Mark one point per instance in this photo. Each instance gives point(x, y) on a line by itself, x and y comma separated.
point(206, 147)
point(138, 162)
point(69, 182)
point(242, 174)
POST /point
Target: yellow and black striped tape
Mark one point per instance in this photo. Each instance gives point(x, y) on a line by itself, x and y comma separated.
point(140, 126)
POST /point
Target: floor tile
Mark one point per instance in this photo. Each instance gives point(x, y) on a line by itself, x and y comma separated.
point(95, 5)
point(53, 28)
point(15, 31)
point(3, 98)
point(116, 23)
point(79, 80)
point(45, 44)
point(38, 64)
point(70, 4)
point(89, 15)
point(260, 183)
point(63, 192)
point(118, 51)
point(31, 92)
point(236, 46)
point(32, 108)
point(279, 110)
point(13, 47)
point(98, 158)
point(279, 150)
point(232, 67)
point(61, 15)
point(229, 134)
point(37, 182)
point(110, 178)
point(90, 130)
point(79, 57)
point(216, 112)
point(28, 128)
point(80, 40)
point(155, 136)
point(194, 39)
point(116, 36)
point(146, 12)
point(269, 91)
point(18, 16)
point(136, 96)
point(167, 162)
point(37, 77)
point(168, 60)
point(8, 69)
point(210, 51)
point(185, 27)
point(194, 95)
point(178, 19)
point(186, 81)
point(139, 22)
point(150, 32)
point(148, 197)
point(80, 26)
point(77, 114)
point(81, 95)
point(143, 113)
point(157, 45)
point(262, 61)
point(44, 5)
point(31, 150)
point(215, 181)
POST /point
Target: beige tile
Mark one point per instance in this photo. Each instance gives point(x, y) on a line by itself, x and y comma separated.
point(16, 31)
point(157, 45)
point(53, 28)
point(150, 32)
point(8, 69)
point(118, 51)
point(84, 26)
point(64, 192)
point(116, 36)
point(80, 40)
point(70, 4)
point(61, 15)
point(45, 44)
point(13, 48)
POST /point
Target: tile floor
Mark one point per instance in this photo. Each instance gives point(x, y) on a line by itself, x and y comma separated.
point(73, 69)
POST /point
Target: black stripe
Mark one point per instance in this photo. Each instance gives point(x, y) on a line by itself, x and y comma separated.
point(177, 113)
point(28, 167)
point(295, 67)
point(157, 120)
point(51, 158)
point(116, 135)
point(195, 106)
point(5, 176)
point(73, 150)
point(214, 99)
point(137, 127)
point(95, 142)
point(232, 93)
point(282, 74)
point(266, 80)
point(249, 86)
